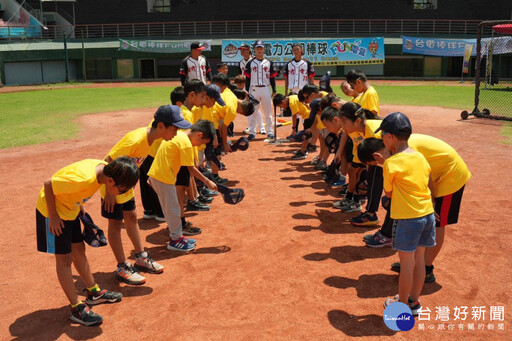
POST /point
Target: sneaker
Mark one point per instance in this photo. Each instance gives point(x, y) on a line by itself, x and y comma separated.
point(85, 316)
point(395, 267)
point(300, 156)
point(352, 206)
point(127, 274)
point(340, 204)
point(102, 296)
point(430, 277)
point(315, 160)
point(270, 136)
point(369, 236)
point(311, 148)
point(205, 199)
point(251, 137)
point(290, 137)
point(160, 218)
point(246, 131)
point(148, 215)
point(321, 165)
point(415, 306)
point(297, 152)
point(379, 240)
point(218, 180)
point(180, 245)
point(190, 240)
point(145, 263)
point(222, 166)
point(209, 192)
point(365, 219)
point(189, 230)
point(338, 183)
point(196, 205)
point(263, 131)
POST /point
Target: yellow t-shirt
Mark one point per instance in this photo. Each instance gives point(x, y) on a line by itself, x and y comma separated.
point(197, 113)
point(170, 157)
point(406, 176)
point(319, 123)
point(297, 107)
point(187, 114)
point(228, 112)
point(369, 100)
point(134, 145)
point(449, 171)
point(156, 143)
point(72, 186)
point(207, 114)
point(357, 137)
point(203, 113)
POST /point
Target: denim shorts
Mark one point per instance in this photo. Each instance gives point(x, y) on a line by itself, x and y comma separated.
point(408, 234)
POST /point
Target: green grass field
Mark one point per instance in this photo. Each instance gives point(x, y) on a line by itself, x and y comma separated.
point(35, 117)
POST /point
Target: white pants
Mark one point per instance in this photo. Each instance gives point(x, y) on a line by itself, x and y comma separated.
point(170, 206)
point(265, 97)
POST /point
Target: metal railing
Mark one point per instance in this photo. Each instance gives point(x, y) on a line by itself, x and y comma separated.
point(325, 27)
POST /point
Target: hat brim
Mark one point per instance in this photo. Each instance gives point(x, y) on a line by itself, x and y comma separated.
point(244, 48)
point(377, 130)
point(200, 48)
point(182, 124)
point(259, 45)
point(220, 101)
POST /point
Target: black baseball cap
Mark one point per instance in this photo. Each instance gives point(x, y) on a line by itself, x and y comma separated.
point(213, 91)
point(244, 46)
point(231, 196)
point(395, 123)
point(197, 46)
point(171, 114)
point(242, 144)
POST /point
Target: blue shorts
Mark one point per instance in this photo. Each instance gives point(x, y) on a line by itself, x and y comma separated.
point(408, 234)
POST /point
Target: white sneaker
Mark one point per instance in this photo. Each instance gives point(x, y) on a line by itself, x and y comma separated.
point(352, 207)
point(162, 219)
point(263, 131)
point(126, 273)
point(246, 131)
point(145, 263)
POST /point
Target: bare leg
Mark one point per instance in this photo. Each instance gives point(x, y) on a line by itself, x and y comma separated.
point(419, 273)
point(114, 239)
point(82, 264)
point(406, 275)
point(132, 229)
point(65, 276)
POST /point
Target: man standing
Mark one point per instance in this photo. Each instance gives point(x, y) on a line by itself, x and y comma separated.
point(195, 66)
point(260, 73)
point(298, 72)
point(245, 51)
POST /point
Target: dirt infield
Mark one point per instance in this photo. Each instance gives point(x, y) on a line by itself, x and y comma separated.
point(282, 264)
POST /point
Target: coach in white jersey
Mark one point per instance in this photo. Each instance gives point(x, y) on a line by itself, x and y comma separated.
point(298, 72)
point(260, 74)
point(195, 66)
point(245, 51)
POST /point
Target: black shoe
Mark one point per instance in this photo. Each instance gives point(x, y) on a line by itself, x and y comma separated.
point(395, 267)
point(196, 205)
point(209, 192)
point(311, 148)
point(85, 316)
point(102, 296)
point(205, 199)
point(218, 180)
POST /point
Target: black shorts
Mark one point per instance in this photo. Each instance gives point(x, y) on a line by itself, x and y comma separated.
point(117, 214)
point(58, 245)
point(349, 147)
point(448, 208)
point(183, 177)
point(308, 123)
point(357, 165)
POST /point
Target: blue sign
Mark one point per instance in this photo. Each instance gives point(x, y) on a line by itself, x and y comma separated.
point(319, 51)
point(437, 47)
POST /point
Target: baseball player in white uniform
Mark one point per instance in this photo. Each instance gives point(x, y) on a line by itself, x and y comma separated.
point(195, 66)
point(260, 73)
point(298, 72)
point(245, 51)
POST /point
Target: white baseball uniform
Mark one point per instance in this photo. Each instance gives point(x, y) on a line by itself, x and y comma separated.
point(195, 69)
point(298, 74)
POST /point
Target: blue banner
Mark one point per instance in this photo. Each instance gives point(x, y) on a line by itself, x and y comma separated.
point(319, 51)
point(437, 47)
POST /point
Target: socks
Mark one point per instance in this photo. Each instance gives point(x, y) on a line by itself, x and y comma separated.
point(73, 306)
point(94, 288)
point(142, 254)
point(429, 269)
point(349, 196)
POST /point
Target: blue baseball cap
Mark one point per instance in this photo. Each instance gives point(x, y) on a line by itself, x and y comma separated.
point(259, 43)
point(171, 114)
point(213, 91)
point(395, 123)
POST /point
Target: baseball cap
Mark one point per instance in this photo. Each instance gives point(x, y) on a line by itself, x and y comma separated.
point(231, 195)
point(171, 114)
point(197, 46)
point(244, 46)
point(242, 144)
point(395, 123)
point(259, 43)
point(213, 91)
